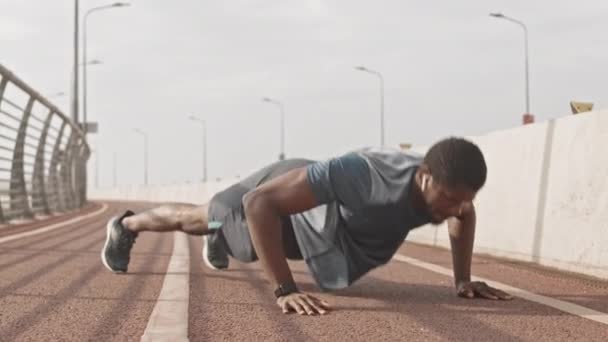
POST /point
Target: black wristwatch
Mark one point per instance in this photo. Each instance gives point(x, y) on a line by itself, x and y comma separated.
point(285, 288)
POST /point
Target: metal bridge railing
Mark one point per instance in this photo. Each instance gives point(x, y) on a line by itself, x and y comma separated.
point(43, 154)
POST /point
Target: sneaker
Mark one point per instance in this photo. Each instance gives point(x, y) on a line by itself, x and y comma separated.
point(116, 252)
point(214, 255)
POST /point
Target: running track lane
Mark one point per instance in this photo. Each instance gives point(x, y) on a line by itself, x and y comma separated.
point(53, 287)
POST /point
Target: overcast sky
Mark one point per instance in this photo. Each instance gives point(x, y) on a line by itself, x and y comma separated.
point(449, 69)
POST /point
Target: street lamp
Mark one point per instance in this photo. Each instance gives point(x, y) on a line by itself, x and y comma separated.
point(364, 69)
point(74, 108)
point(502, 16)
point(84, 55)
point(145, 135)
point(282, 109)
point(204, 124)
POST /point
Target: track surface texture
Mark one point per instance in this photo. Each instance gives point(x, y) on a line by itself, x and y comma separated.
point(53, 287)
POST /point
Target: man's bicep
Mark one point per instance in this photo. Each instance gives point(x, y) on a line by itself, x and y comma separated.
point(290, 193)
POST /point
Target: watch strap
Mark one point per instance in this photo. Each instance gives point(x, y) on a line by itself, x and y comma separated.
point(285, 288)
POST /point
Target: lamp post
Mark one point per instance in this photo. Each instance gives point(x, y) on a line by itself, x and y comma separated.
point(84, 55)
point(282, 112)
point(74, 108)
point(523, 26)
point(204, 124)
point(364, 69)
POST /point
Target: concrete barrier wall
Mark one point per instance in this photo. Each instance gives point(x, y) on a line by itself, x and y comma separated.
point(196, 193)
point(575, 225)
point(545, 200)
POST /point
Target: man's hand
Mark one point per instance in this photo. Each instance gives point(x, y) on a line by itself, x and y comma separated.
point(472, 289)
point(302, 303)
point(462, 235)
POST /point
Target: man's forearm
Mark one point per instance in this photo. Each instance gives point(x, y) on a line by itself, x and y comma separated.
point(266, 235)
point(462, 236)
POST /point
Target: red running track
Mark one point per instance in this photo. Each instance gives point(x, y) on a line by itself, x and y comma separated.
point(53, 287)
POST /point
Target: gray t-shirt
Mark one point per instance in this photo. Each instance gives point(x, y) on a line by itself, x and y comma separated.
point(363, 214)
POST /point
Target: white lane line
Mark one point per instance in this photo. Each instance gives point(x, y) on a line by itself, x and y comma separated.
point(169, 319)
point(561, 305)
point(103, 208)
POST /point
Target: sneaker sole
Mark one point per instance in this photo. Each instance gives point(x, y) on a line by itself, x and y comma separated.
point(105, 245)
point(205, 259)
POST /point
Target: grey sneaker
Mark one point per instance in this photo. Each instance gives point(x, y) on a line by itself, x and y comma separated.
point(214, 255)
point(116, 252)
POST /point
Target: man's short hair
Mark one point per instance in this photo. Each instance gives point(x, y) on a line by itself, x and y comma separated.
point(455, 162)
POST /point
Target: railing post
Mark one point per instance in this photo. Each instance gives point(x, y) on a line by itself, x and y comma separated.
point(3, 84)
point(54, 177)
point(81, 181)
point(77, 173)
point(18, 191)
point(39, 197)
point(66, 172)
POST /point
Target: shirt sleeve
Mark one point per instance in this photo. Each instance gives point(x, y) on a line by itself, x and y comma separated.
point(344, 179)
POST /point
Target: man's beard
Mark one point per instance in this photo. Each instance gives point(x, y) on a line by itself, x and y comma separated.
point(436, 221)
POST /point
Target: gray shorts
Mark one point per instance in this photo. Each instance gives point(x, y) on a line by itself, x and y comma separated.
point(227, 207)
